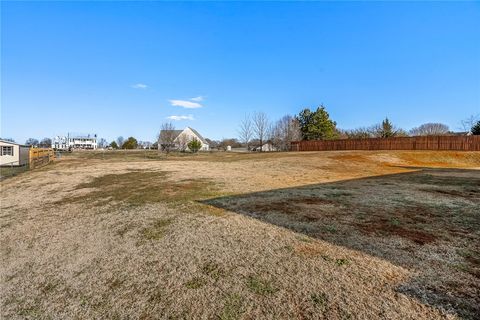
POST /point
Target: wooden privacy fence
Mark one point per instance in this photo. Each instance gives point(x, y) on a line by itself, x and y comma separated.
point(460, 143)
point(40, 157)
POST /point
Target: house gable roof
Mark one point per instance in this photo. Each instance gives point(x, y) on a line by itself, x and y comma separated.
point(176, 133)
point(202, 139)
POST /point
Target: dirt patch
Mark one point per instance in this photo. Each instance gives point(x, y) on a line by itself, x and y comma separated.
point(441, 159)
point(309, 208)
point(387, 228)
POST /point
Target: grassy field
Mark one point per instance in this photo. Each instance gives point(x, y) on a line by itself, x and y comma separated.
point(320, 235)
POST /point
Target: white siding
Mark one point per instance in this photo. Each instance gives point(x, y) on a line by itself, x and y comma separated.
point(185, 137)
point(19, 157)
point(9, 159)
point(64, 143)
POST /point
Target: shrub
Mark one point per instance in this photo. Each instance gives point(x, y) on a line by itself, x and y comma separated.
point(131, 143)
point(194, 145)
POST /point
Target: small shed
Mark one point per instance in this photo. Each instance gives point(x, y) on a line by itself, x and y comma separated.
point(13, 154)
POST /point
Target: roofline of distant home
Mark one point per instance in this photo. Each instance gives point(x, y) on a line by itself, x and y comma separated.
point(15, 143)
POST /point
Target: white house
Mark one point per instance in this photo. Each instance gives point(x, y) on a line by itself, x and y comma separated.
point(72, 141)
point(266, 147)
point(269, 147)
point(13, 154)
point(181, 138)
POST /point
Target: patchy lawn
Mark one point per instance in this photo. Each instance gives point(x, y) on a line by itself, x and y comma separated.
point(138, 188)
point(427, 221)
point(321, 235)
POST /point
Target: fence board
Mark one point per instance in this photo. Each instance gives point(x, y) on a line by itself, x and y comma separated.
point(40, 157)
point(453, 143)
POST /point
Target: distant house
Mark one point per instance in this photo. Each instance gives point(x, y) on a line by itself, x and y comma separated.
point(462, 133)
point(181, 138)
point(13, 154)
point(75, 141)
point(266, 147)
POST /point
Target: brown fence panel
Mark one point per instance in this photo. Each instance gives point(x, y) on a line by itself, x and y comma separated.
point(455, 143)
point(40, 157)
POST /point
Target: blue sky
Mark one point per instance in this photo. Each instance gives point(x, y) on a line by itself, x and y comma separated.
point(122, 68)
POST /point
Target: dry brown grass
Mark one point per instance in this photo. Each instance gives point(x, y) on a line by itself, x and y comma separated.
point(138, 188)
point(429, 215)
point(331, 235)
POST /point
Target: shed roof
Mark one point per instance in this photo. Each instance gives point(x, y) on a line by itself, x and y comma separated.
point(10, 142)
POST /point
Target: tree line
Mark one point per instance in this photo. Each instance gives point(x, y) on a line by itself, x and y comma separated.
point(256, 132)
point(129, 143)
point(316, 124)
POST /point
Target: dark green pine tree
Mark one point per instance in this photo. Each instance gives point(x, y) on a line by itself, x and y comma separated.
point(476, 129)
point(316, 125)
point(387, 129)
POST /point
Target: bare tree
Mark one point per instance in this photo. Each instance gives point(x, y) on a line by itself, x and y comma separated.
point(292, 131)
point(31, 142)
point(182, 141)
point(430, 129)
point(102, 143)
point(246, 130)
point(285, 130)
point(274, 135)
point(260, 126)
point(358, 133)
point(468, 123)
point(166, 137)
point(45, 143)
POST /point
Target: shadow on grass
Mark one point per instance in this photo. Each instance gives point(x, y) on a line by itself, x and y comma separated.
point(427, 220)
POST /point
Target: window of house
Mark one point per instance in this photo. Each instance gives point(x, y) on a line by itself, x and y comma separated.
point(7, 151)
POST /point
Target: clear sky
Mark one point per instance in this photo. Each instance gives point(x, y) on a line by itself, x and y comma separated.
point(122, 68)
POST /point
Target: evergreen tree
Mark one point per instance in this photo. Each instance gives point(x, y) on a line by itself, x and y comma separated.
point(316, 125)
point(194, 145)
point(130, 143)
point(387, 129)
point(476, 129)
